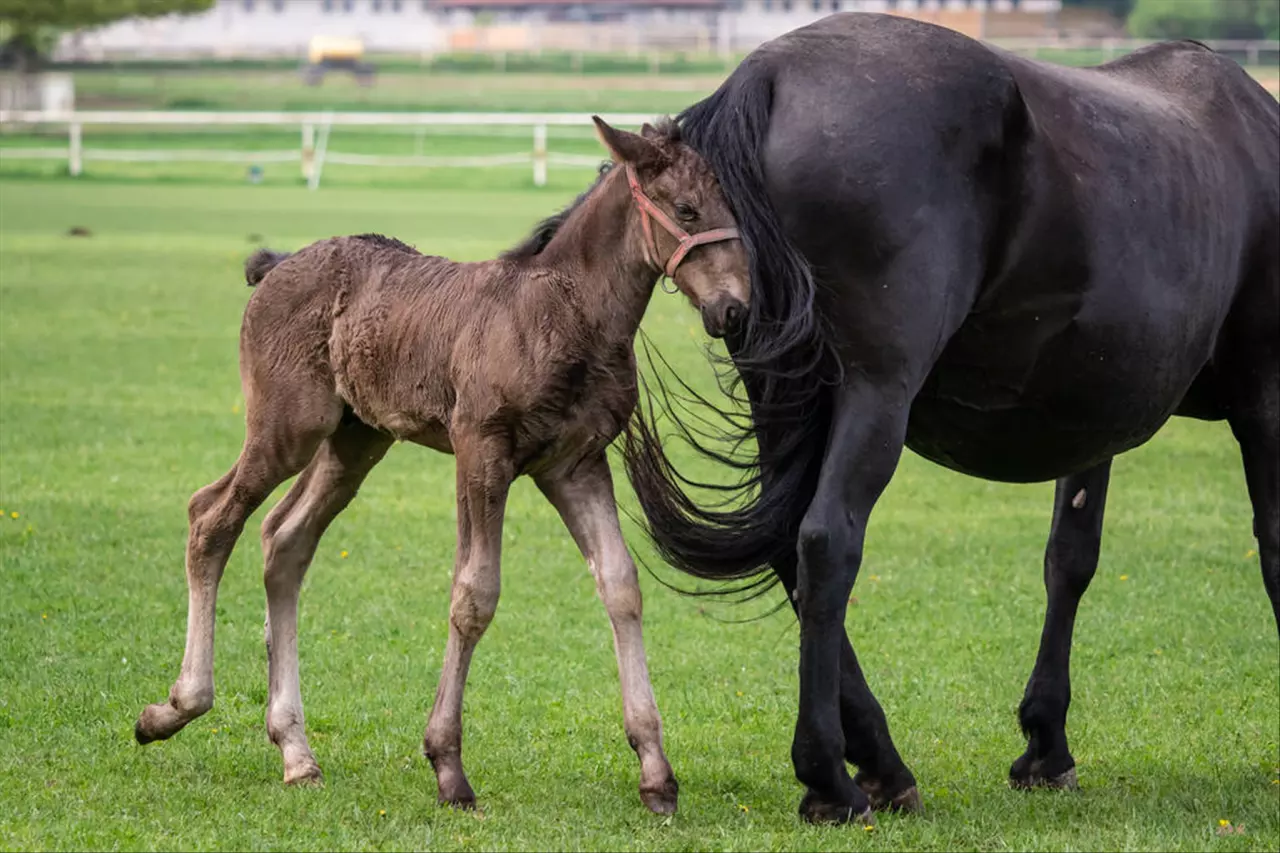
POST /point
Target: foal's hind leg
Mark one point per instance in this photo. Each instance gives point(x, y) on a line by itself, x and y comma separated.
point(585, 501)
point(289, 538)
point(1069, 563)
point(279, 441)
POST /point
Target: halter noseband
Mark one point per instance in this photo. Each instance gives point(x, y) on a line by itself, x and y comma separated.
point(687, 240)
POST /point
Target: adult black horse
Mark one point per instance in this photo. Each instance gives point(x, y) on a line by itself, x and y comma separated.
point(1015, 269)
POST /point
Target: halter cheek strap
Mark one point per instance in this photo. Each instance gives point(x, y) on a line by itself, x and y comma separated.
point(687, 241)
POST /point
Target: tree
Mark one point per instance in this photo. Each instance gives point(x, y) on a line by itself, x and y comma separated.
point(1205, 19)
point(32, 25)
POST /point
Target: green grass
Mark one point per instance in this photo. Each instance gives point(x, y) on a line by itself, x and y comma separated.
point(448, 92)
point(119, 397)
point(463, 62)
point(390, 141)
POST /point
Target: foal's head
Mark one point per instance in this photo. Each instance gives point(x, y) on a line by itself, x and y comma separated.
point(697, 245)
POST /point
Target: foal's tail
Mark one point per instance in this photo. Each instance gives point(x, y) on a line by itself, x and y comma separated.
point(260, 263)
point(783, 361)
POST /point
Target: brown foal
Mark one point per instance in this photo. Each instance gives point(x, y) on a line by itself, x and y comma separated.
point(520, 365)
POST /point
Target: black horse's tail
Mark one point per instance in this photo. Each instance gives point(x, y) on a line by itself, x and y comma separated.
point(783, 361)
point(261, 262)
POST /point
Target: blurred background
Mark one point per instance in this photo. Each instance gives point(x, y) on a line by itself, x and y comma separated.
point(92, 85)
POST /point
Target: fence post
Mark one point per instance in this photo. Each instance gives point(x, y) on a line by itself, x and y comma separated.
point(74, 150)
point(313, 180)
point(308, 149)
point(539, 155)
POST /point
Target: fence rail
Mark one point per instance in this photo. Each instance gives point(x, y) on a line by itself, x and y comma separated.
point(311, 155)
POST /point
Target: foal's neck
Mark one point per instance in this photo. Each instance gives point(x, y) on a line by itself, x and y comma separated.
point(600, 249)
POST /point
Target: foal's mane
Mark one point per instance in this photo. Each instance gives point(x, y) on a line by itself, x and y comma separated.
point(384, 242)
point(668, 132)
point(547, 228)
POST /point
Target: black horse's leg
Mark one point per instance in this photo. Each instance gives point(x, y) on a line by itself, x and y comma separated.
point(868, 430)
point(882, 775)
point(1256, 424)
point(1069, 563)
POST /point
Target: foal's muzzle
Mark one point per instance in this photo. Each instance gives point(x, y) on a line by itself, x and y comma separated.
point(723, 316)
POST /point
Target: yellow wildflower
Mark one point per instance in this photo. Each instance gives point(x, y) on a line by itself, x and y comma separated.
point(1124, 577)
point(13, 514)
point(343, 555)
point(382, 812)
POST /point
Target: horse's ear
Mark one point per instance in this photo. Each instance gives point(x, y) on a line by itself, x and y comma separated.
point(626, 147)
point(648, 131)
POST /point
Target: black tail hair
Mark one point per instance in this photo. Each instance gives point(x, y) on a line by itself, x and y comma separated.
point(783, 360)
point(261, 262)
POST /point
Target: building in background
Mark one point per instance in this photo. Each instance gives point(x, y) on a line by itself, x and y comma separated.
point(260, 28)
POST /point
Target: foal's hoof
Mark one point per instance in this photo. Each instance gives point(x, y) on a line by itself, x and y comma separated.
point(157, 722)
point(906, 801)
point(463, 801)
point(816, 810)
point(661, 800)
point(455, 792)
point(306, 776)
point(1024, 778)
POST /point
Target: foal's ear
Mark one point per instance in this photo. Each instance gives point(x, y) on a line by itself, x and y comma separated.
point(627, 147)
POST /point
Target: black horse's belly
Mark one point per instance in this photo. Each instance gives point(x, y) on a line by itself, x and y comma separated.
point(1016, 445)
point(1023, 396)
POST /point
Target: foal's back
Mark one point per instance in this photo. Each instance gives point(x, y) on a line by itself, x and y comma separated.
point(412, 343)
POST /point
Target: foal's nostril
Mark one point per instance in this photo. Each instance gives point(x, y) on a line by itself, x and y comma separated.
point(733, 315)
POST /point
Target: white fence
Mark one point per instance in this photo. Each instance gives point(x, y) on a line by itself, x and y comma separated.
point(312, 152)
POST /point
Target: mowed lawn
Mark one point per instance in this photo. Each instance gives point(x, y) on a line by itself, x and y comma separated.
point(119, 396)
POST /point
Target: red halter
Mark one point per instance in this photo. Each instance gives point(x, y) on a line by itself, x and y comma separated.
point(687, 240)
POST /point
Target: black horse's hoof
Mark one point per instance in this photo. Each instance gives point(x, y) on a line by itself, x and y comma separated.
point(1026, 774)
point(814, 809)
point(906, 800)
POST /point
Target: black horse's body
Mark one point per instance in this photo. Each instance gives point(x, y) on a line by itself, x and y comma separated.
point(1017, 270)
point(1145, 208)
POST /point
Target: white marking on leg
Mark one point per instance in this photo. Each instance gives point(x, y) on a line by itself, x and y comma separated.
point(1078, 501)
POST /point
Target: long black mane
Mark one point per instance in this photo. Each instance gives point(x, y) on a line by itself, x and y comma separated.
point(773, 435)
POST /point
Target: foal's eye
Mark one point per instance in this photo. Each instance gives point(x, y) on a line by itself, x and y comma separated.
point(685, 213)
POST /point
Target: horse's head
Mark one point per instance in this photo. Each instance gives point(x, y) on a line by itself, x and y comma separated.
point(688, 232)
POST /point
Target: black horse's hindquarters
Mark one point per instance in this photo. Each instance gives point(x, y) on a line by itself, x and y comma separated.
point(1020, 271)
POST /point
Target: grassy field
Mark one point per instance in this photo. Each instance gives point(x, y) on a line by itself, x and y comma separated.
point(119, 396)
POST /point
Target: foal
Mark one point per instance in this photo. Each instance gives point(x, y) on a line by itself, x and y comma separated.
point(520, 365)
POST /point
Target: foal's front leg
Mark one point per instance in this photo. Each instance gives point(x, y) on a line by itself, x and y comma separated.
point(585, 501)
point(484, 475)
